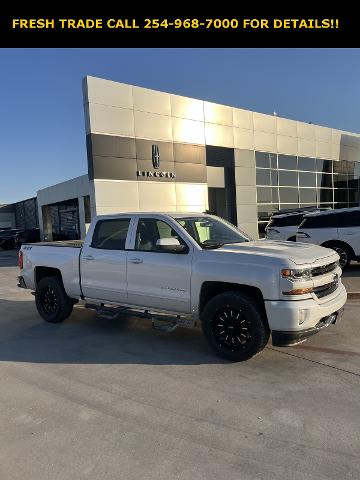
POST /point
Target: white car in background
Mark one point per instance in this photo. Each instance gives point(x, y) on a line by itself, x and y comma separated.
point(336, 229)
point(284, 226)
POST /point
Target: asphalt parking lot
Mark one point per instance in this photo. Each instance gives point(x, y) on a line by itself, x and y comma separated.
point(114, 399)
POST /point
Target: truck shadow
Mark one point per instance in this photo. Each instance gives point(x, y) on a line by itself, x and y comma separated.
point(84, 338)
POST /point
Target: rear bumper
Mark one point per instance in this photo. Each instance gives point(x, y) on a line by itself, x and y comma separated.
point(286, 339)
point(21, 282)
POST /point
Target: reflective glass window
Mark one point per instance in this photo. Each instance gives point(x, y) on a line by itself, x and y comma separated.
point(288, 179)
point(288, 195)
point(288, 162)
point(307, 179)
point(306, 163)
point(263, 176)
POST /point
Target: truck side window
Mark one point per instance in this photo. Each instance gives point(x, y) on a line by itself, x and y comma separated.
point(149, 230)
point(111, 234)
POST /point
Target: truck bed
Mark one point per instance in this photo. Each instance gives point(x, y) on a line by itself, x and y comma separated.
point(60, 243)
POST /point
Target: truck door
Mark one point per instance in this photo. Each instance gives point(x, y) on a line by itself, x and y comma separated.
point(103, 261)
point(157, 278)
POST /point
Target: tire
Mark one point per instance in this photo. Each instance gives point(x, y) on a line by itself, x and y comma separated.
point(52, 303)
point(292, 239)
point(246, 329)
point(344, 253)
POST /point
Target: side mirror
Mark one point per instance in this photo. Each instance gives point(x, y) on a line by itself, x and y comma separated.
point(170, 244)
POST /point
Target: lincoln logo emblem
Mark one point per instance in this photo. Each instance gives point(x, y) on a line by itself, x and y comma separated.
point(155, 155)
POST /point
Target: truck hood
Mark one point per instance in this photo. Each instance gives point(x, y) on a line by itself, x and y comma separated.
point(298, 253)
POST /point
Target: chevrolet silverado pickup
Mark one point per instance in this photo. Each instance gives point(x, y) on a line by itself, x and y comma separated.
point(189, 270)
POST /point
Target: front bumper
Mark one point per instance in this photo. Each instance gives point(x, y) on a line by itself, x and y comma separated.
point(286, 339)
point(301, 316)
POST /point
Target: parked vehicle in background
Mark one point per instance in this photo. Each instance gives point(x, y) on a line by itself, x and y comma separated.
point(187, 269)
point(283, 226)
point(27, 236)
point(336, 229)
point(7, 238)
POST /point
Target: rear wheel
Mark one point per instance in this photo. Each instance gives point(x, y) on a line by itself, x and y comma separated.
point(234, 326)
point(51, 300)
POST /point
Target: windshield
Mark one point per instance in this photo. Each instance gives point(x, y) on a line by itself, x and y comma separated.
point(211, 232)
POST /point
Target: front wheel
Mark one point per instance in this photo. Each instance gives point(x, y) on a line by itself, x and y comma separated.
point(344, 254)
point(234, 326)
point(51, 300)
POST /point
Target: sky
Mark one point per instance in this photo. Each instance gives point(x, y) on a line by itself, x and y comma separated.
point(42, 133)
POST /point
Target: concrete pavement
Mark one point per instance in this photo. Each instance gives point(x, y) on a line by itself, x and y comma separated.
point(113, 399)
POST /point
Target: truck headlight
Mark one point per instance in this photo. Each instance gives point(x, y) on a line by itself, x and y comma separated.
point(296, 274)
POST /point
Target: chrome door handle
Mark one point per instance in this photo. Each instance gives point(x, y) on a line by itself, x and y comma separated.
point(88, 257)
point(136, 260)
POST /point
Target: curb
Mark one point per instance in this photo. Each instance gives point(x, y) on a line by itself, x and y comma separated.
point(353, 295)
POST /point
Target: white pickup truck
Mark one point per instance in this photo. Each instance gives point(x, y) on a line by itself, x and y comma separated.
point(189, 269)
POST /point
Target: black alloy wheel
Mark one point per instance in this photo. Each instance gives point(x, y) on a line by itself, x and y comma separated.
point(235, 325)
point(231, 328)
point(52, 302)
point(49, 300)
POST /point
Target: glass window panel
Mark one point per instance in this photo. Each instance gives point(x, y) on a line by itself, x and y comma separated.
point(344, 167)
point(306, 163)
point(288, 179)
point(263, 176)
point(325, 195)
point(340, 181)
point(289, 207)
point(150, 230)
point(307, 179)
point(341, 205)
point(308, 195)
point(262, 159)
point(275, 195)
point(350, 219)
point(111, 234)
point(340, 195)
point(324, 166)
point(324, 180)
point(326, 205)
point(357, 168)
point(273, 160)
point(265, 212)
point(354, 196)
point(353, 182)
point(264, 194)
point(274, 178)
point(289, 162)
point(288, 195)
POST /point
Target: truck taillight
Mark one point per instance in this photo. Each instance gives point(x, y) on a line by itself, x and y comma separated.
point(21, 260)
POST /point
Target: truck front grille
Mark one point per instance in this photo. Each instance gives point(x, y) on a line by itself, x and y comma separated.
point(327, 289)
point(323, 269)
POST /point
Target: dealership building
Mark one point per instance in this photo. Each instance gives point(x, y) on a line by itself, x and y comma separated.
point(154, 151)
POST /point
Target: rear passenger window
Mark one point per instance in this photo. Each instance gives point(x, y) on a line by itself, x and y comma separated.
point(111, 234)
point(351, 219)
point(332, 220)
point(288, 221)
